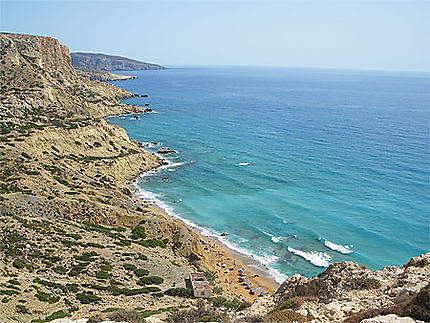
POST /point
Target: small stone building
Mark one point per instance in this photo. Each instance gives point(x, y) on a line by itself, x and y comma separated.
point(200, 286)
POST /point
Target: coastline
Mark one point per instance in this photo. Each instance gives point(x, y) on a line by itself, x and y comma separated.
point(223, 259)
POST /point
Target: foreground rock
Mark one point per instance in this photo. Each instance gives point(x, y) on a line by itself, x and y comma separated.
point(347, 292)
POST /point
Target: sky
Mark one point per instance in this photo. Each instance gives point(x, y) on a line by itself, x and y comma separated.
point(344, 34)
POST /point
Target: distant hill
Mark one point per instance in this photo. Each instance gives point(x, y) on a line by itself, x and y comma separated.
point(103, 62)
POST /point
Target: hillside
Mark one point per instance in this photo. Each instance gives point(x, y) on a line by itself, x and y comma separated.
point(94, 61)
point(64, 171)
point(77, 242)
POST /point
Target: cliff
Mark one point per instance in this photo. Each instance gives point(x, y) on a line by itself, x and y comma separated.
point(350, 293)
point(105, 62)
point(68, 217)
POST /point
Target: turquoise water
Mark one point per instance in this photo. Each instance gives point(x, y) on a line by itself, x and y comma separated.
point(289, 160)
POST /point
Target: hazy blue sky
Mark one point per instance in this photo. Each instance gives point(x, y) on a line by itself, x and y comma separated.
point(384, 34)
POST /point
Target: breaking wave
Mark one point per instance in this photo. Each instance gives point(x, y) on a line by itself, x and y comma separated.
point(339, 248)
point(319, 259)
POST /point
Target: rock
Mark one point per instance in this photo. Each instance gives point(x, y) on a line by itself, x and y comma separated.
point(165, 150)
point(391, 318)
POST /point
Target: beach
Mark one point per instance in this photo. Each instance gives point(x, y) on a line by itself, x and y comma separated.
point(226, 263)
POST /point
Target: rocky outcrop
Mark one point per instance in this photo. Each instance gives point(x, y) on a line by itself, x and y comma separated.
point(105, 62)
point(102, 76)
point(166, 150)
point(348, 292)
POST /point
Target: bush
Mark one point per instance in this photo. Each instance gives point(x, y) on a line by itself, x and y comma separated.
point(193, 257)
point(210, 276)
point(103, 274)
point(129, 267)
point(56, 315)
point(151, 243)
point(142, 257)
point(180, 291)
point(235, 304)
point(46, 297)
point(18, 263)
point(60, 269)
point(85, 298)
point(150, 280)
point(138, 232)
point(22, 309)
point(141, 272)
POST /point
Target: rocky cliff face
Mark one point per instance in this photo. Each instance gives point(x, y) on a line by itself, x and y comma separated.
point(60, 161)
point(347, 292)
point(39, 85)
point(105, 62)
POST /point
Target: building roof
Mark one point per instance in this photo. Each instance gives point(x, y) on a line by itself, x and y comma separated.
point(198, 281)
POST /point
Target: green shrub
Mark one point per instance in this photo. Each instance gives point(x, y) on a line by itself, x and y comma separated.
point(142, 257)
point(46, 297)
point(141, 272)
point(217, 290)
point(150, 280)
point(18, 263)
point(129, 267)
point(85, 298)
point(77, 269)
point(60, 269)
point(138, 232)
point(24, 154)
point(22, 309)
point(87, 256)
point(56, 315)
point(151, 243)
point(103, 274)
point(180, 291)
point(210, 276)
point(193, 257)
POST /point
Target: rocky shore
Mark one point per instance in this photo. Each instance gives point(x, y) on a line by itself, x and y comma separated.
point(95, 75)
point(77, 243)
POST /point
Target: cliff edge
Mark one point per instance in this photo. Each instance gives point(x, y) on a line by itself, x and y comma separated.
point(103, 62)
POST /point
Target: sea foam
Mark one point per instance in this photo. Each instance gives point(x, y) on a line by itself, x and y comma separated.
point(339, 248)
point(274, 238)
point(319, 259)
point(152, 198)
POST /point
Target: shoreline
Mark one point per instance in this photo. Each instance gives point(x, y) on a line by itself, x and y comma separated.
point(217, 251)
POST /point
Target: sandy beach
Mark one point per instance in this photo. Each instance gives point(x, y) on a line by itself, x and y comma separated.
point(229, 265)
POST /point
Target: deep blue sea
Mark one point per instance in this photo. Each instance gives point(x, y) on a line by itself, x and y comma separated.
point(302, 167)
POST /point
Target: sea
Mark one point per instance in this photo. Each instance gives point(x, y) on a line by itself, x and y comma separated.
point(296, 168)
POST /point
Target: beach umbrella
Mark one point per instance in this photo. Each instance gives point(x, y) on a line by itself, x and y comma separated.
point(247, 280)
point(250, 284)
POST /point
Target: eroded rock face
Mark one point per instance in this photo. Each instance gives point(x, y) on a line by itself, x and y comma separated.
point(348, 292)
